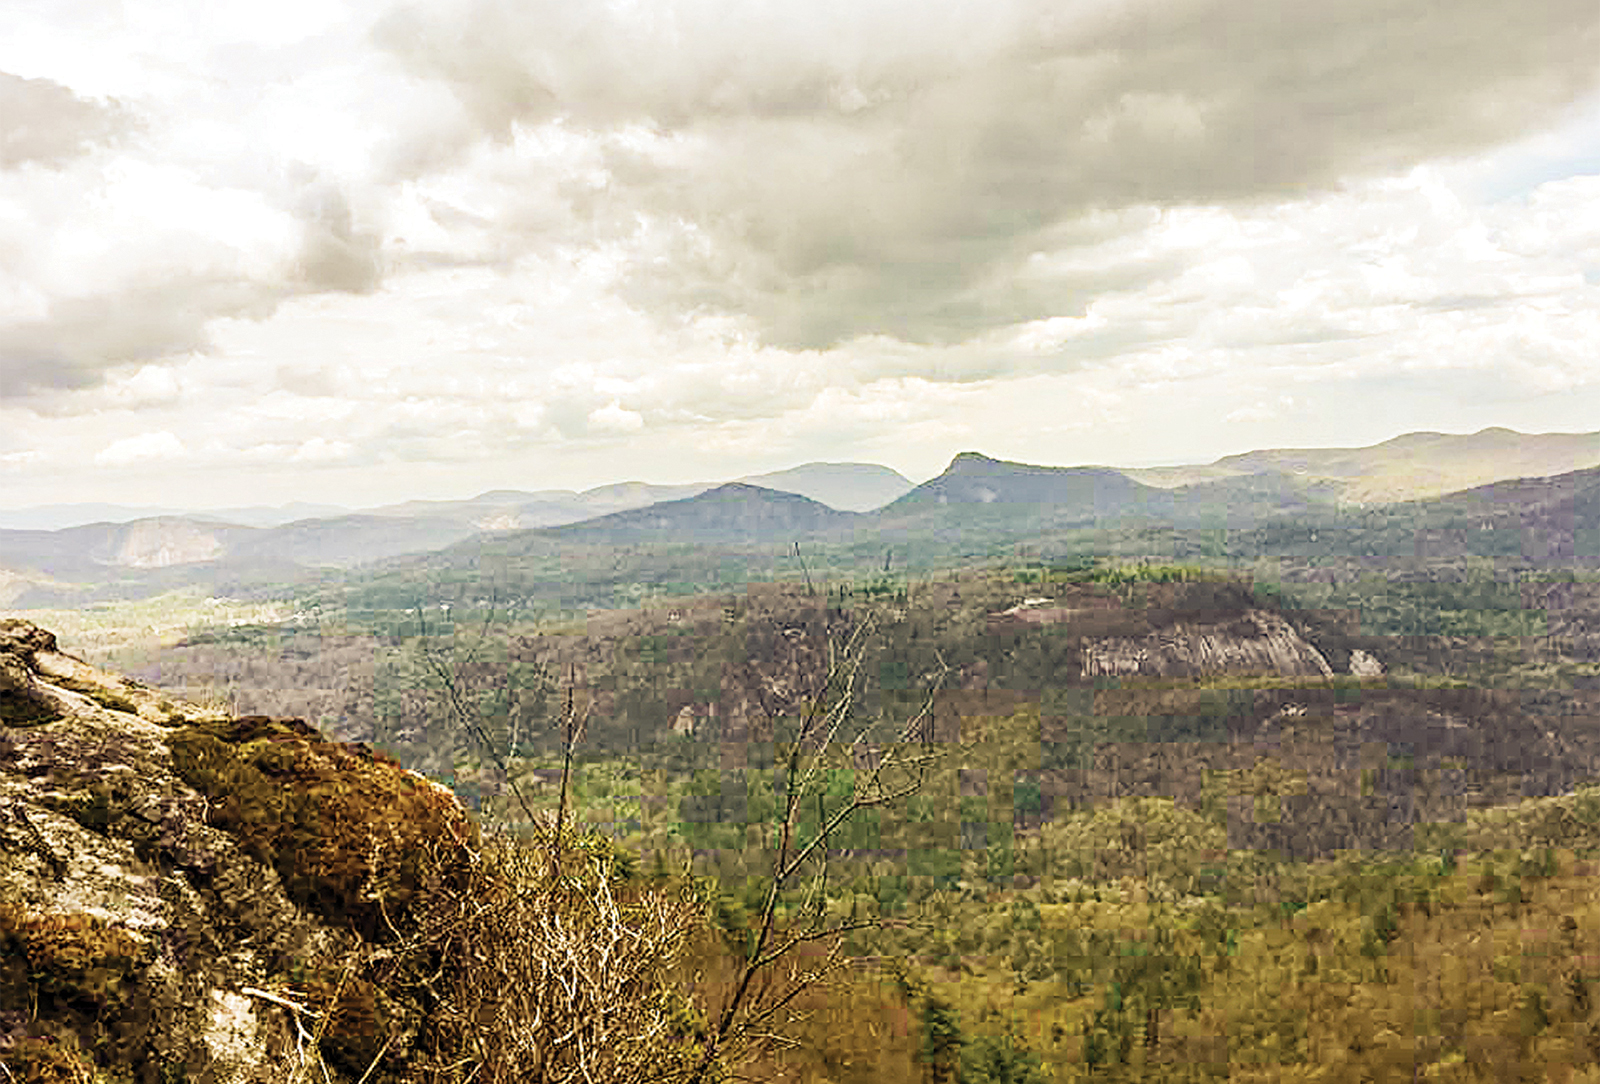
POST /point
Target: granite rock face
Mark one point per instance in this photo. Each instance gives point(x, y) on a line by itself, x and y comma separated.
point(1254, 643)
point(183, 894)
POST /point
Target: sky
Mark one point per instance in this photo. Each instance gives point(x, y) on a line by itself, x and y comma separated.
point(361, 251)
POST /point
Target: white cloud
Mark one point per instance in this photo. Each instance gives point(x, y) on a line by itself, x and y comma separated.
point(146, 447)
point(146, 386)
point(1261, 411)
point(322, 450)
point(615, 418)
point(471, 238)
point(44, 123)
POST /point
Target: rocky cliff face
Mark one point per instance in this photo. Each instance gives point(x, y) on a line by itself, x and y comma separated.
point(183, 895)
point(1254, 643)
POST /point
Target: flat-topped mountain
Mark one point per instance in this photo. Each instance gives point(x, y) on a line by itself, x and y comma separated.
point(849, 487)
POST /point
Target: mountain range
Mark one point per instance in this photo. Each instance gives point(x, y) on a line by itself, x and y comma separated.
point(1408, 467)
point(857, 487)
point(1270, 501)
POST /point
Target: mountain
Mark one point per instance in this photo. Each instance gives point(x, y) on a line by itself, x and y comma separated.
point(55, 517)
point(849, 487)
point(99, 561)
point(83, 552)
point(350, 540)
point(1408, 467)
point(736, 513)
point(856, 487)
point(975, 481)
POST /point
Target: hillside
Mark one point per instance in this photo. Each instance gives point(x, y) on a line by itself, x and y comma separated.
point(1169, 807)
point(1408, 467)
point(1527, 521)
point(79, 565)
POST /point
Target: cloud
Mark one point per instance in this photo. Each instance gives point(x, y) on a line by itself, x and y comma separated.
point(1261, 411)
point(336, 255)
point(148, 386)
point(887, 169)
point(79, 338)
point(45, 123)
point(322, 450)
point(134, 259)
point(146, 447)
point(615, 418)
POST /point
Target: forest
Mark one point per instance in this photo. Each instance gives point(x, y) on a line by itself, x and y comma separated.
point(1192, 869)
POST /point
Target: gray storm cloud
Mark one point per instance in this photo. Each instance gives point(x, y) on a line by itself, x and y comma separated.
point(79, 338)
point(46, 123)
point(840, 169)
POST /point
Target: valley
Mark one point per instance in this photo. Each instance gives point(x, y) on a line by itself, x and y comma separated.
point(1227, 780)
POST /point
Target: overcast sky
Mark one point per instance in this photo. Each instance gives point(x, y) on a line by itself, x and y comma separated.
point(360, 251)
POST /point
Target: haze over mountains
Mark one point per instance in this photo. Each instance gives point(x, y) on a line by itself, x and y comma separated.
point(977, 497)
point(1408, 467)
point(855, 487)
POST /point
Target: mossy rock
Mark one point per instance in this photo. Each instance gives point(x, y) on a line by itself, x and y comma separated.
point(99, 694)
point(361, 1018)
point(37, 1059)
point(82, 958)
point(352, 835)
point(18, 710)
point(82, 975)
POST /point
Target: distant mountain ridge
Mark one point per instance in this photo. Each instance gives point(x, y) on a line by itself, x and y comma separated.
point(1408, 467)
point(852, 487)
point(735, 513)
point(974, 504)
point(55, 517)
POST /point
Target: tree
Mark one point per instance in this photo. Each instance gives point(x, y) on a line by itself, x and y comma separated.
point(556, 963)
point(1000, 1059)
point(941, 1040)
point(566, 926)
point(825, 744)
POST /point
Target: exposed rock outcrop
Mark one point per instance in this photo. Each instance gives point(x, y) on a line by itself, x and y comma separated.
point(182, 894)
point(1255, 643)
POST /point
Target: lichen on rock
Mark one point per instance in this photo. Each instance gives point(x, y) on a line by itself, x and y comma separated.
point(190, 896)
point(159, 862)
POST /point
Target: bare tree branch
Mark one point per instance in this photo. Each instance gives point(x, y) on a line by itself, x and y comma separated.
point(828, 711)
